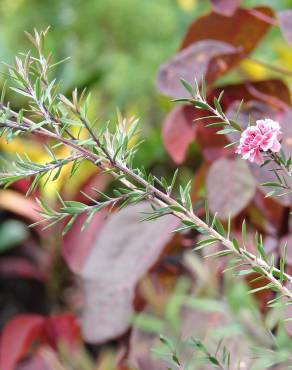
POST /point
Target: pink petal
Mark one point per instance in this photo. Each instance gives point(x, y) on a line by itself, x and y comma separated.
point(276, 146)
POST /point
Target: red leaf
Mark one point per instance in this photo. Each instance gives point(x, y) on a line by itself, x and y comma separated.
point(285, 23)
point(17, 203)
point(20, 333)
point(242, 30)
point(211, 143)
point(17, 338)
point(78, 244)
point(225, 7)
point(62, 328)
point(179, 131)
point(19, 266)
point(273, 92)
point(23, 185)
point(97, 181)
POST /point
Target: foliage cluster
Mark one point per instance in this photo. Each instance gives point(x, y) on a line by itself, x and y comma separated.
point(240, 211)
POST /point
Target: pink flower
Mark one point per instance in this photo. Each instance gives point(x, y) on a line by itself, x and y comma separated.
point(249, 146)
point(259, 138)
point(270, 131)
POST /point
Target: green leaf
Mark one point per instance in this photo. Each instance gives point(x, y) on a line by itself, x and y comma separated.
point(244, 272)
point(203, 88)
point(235, 125)
point(200, 104)
point(218, 107)
point(12, 233)
point(225, 131)
point(235, 244)
point(219, 227)
point(206, 242)
point(167, 342)
point(243, 231)
point(187, 86)
point(69, 225)
point(207, 213)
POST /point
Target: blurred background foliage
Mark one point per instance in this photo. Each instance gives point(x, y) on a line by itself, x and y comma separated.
point(115, 49)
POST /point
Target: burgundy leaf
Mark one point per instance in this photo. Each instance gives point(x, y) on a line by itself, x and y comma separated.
point(78, 244)
point(123, 252)
point(190, 64)
point(273, 92)
point(242, 30)
point(179, 131)
point(230, 187)
point(211, 143)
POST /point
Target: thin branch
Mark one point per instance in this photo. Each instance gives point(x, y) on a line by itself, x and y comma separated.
point(162, 199)
point(115, 156)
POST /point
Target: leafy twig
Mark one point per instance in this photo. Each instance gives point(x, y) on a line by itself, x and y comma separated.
point(113, 152)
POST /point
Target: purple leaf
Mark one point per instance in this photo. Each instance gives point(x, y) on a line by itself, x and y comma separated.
point(285, 23)
point(192, 63)
point(225, 7)
point(123, 252)
point(230, 187)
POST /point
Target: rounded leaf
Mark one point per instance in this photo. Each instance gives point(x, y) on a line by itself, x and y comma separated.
point(192, 64)
point(213, 26)
point(123, 252)
point(179, 131)
point(230, 187)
